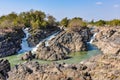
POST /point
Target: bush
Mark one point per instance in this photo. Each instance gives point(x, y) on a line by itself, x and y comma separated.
point(76, 23)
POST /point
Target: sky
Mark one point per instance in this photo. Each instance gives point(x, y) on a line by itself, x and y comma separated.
point(86, 9)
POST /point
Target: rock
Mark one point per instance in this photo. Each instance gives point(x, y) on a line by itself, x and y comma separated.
point(10, 42)
point(28, 56)
point(38, 35)
point(64, 44)
point(54, 71)
point(108, 40)
point(4, 68)
point(2, 77)
point(106, 66)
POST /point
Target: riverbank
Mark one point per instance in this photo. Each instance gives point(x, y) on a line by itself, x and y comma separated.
point(90, 65)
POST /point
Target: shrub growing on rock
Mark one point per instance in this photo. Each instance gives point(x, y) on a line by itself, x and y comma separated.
point(76, 23)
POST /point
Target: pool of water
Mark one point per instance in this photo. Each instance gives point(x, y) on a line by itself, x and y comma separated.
point(76, 57)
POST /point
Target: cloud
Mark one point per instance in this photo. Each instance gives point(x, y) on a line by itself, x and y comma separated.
point(99, 3)
point(116, 6)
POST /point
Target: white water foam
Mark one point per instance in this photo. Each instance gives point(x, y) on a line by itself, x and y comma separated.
point(93, 38)
point(46, 41)
point(24, 45)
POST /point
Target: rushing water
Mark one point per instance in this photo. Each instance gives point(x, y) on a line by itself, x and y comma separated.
point(46, 41)
point(75, 57)
point(80, 56)
point(92, 50)
point(25, 47)
point(24, 44)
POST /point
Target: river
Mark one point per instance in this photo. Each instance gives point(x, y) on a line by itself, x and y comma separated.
point(75, 57)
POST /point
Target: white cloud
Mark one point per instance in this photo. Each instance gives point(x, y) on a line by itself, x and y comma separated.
point(99, 3)
point(116, 6)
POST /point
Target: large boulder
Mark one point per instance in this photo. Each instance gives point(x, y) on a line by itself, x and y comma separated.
point(54, 71)
point(64, 44)
point(10, 42)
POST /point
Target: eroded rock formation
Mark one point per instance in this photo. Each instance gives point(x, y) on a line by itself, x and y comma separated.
point(10, 42)
point(38, 35)
point(108, 40)
point(54, 71)
point(64, 44)
point(4, 68)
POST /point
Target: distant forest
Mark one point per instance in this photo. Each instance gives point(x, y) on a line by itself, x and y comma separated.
point(39, 20)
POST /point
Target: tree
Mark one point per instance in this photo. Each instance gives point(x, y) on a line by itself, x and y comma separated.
point(12, 16)
point(51, 21)
point(76, 24)
point(100, 23)
point(35, 25)
point(114, 22)
point(64, 22)
point(92, 22)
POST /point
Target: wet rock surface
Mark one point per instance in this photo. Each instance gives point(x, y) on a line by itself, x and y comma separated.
point(4, 68)
point(53, 71)
point(10, 42)
point(64, 44)
point(39, 35)
point(101, 67)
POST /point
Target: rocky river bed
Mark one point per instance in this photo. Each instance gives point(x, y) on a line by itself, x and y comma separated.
point(103, 66)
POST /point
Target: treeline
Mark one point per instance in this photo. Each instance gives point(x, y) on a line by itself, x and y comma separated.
point(33, 18)
point(74, 22)
point(39, 20)
point(111, 23)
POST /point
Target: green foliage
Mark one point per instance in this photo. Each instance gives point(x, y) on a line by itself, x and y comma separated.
point(51, 20)
point(39, 20)
point(64, 22)
point(112, 23)
point(100, 23)
point(35, 24)
point(44, 24)
point(76, 23)
point(10, 21)
point(34, 19)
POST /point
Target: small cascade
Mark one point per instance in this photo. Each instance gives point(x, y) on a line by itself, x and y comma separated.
point(49, 38)
point(46, 40)
point(24, 44)
point(93, 38)
point(90, 45)
point(25, 47)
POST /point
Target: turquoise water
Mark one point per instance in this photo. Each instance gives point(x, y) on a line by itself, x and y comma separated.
point(76, 57)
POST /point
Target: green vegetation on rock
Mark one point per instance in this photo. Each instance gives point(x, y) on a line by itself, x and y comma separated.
point(111, 23)
point(33, 18)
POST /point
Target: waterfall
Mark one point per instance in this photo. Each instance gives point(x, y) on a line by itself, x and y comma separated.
point(49, 38)
point(46, 41)
point(90, 45)
point(93, 38)
point(25, 47)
